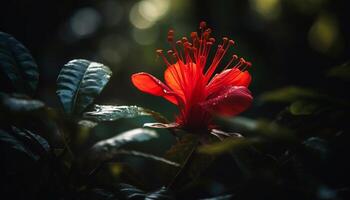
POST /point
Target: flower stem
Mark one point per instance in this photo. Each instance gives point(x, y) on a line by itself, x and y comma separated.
point(184, 167)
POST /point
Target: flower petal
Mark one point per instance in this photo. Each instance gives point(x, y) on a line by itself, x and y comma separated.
point(230, 101)
point(229, 77)
point(179, 75)
point(151, 85)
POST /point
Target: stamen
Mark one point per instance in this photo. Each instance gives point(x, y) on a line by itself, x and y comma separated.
point(202, 25)
point(160, 53)
point(170, 35)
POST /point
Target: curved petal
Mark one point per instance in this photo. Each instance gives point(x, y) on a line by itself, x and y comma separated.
point(151, 85)
point(229, 77)
point(231, 101)
point(173, 77)
point(177, 76)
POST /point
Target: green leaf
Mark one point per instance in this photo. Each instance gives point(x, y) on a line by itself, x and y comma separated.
point(79, 83)
point(341, 71)
point(112, 113)
point(226, 146)
point(288, 94)
point(17, 65)
point(304, 108)
point(19, 104)
point(108, 148)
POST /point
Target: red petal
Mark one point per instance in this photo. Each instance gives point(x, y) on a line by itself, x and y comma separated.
point(151, 85)
point(229, 77)
point(231, 101)
point(173, 78)
point(177, 76)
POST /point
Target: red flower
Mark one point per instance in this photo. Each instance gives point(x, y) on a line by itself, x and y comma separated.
point(190, 83)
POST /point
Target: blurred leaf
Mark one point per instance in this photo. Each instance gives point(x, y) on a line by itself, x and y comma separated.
point(79, 83)
point(130, 192)
point(318, 147)
point(226, 146)
point(288, 94)
point(272, 130)
point(161, 125)
point(19, 104)
point(341, 71)
point(100, 194)
point(87, 123)
point(304, 107)
point(18, 65)
point(112, 113)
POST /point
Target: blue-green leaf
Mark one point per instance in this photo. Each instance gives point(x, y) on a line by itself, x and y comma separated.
point(17, 66)
point(79, 83)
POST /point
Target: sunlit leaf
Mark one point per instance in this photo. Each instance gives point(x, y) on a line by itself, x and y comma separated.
point(160, 125)
point(110, 148)
point(223, 197)
point(341, 71)
point(112, 113)
point(87, 123)
point(287, 94)
point(17, 66)
point(130, 192)
point(79, 83)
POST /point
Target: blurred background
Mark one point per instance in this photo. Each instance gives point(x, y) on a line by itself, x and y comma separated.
point(289, 42)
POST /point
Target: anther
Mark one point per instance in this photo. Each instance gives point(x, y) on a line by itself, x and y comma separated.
point(202, 25)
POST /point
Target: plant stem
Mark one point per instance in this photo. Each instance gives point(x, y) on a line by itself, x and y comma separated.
point(184, 167)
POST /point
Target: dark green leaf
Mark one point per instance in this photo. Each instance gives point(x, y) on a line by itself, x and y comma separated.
point(111, 113)
point(318, 147)
point(226, 146)
point(107, 149)
point(79, 83)
point(19, 104)
point(304, 107)
point(341, 71)
point(20, 147)
point(288, 94)
point(147, 156)
point(17, 65)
